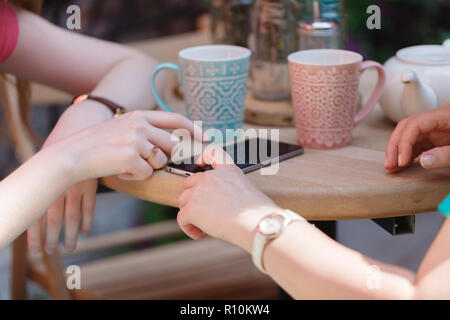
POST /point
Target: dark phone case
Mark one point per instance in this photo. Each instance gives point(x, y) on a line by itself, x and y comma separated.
point(189, 170)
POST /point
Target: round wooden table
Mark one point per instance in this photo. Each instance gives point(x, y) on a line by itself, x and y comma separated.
point(346, 183)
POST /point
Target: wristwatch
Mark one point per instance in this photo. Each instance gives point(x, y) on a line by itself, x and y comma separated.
point(115, 108)
point(270, 228)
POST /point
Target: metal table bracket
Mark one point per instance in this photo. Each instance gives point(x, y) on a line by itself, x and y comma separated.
point(397, 225)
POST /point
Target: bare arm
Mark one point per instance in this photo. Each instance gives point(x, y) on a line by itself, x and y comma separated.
point(304, 261)
point(30, 190)
point(77, 64)
point(121, 146)
point(309, 265)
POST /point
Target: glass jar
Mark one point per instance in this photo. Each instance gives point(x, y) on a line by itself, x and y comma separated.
point(318, 31)
point(331, 10)
point(319, 35)
point(231, 21)
point(272, 39)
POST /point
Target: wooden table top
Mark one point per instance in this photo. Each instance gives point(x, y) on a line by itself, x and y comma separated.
point(346, 183)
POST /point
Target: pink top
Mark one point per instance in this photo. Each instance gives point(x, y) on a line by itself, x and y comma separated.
point(9, 30)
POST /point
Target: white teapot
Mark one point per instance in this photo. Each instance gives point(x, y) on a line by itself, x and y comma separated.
point(418, 79)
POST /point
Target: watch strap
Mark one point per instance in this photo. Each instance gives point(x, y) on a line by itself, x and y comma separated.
point(115, 108)
point(259, 244)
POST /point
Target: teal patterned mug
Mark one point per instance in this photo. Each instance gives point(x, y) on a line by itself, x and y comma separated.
point(214, 79)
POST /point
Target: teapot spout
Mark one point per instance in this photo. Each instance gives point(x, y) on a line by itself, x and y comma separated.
point(417, 96)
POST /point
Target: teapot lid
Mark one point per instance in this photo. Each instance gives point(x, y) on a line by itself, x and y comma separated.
point(425, 55)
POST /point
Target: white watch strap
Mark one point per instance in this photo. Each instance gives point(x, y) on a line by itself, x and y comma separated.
point(260, 241)
point(294, 216)
point(259, 244)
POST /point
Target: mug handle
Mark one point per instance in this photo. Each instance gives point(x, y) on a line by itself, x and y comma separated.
point(165, 65)
point(376, 92)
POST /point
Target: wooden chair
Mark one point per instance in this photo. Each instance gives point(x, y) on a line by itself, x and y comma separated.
point(206, 269)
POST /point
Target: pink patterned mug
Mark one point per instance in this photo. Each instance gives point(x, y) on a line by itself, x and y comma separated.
point(325, 95)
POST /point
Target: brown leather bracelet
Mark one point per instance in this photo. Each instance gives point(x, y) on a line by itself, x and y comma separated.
point(115, 108)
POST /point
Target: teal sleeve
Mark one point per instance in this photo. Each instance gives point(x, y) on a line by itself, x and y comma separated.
point(444, 207)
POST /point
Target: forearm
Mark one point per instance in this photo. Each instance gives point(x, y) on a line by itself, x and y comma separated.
point(27, 193)
point(127, 84)
point(309, 265)
point(78, 117)
point(79, 64)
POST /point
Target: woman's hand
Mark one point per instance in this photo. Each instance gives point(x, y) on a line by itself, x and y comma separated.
point(222, 203)
point(427, 135)
point(77, 64)
point(131, 146)
point(79, 200)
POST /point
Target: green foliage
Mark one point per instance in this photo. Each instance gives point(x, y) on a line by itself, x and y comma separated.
point(403, 23)
point(153, 213)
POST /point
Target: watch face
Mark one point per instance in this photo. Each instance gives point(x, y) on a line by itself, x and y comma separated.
point(272, 225)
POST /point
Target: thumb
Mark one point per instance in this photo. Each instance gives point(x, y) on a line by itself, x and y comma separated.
point(216, 157)
point(436, 158)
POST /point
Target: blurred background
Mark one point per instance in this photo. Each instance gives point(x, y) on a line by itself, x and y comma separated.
point(404, 23)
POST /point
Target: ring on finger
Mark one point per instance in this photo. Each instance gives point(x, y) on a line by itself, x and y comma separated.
point(154, 152)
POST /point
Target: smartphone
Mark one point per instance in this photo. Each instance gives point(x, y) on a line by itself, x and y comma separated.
point(249, 155)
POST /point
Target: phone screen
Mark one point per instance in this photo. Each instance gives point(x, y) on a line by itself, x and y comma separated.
point(249, 155)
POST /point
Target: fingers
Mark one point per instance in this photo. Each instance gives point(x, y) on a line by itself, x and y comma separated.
point(167, 120)
point(182, 218)
point(185, 197)
point(153, 155)
point(408, 139)
point(155, 122)
point(216, 157)
point(54, 224)
point(34, 236)
point(141, 170)
point(188, 228)
point(77, 204)
point(162, 139)
point(88, 205)
point(142, 166)
point(436, 158)
point(191, 181)
point(391, 162)
point(72, 218)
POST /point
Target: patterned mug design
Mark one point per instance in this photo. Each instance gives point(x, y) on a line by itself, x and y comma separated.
point(214, 79)
point(325, 97)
